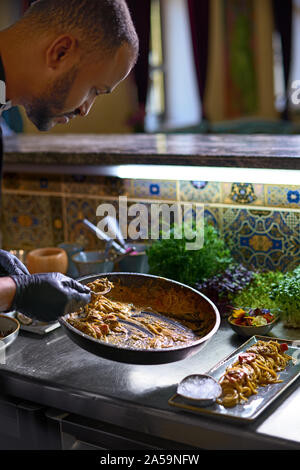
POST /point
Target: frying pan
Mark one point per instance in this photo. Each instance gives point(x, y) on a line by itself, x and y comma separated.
point(145, 356)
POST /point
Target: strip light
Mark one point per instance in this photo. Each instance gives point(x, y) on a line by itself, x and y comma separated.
point(169, 172)
point(193, 173)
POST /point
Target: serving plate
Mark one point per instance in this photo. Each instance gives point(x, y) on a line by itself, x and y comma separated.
point(248, 411)
point(131, 355)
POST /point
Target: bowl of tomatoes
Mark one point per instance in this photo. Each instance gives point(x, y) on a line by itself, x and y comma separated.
point(252, 321)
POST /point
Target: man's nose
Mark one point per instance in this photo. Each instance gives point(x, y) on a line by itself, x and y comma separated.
point(86, 107)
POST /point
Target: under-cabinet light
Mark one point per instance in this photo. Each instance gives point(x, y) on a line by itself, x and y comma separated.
point(169, 172)
point(196, 173)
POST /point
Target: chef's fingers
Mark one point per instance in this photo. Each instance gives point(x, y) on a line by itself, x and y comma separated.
point(20, 268)
point(10, 264)
point(77, 301)
point(77, 286)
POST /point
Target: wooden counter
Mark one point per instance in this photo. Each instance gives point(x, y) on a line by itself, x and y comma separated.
point(238, 151)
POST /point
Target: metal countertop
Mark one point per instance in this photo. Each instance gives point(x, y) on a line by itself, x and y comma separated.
point(54, 372)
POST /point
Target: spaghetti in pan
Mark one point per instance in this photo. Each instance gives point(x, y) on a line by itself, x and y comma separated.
point(126, 319)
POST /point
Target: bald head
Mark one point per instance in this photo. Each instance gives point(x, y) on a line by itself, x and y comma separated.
point(62, 54)
point(99, 25)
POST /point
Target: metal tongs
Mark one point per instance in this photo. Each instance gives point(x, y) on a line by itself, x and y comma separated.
point(123, 250)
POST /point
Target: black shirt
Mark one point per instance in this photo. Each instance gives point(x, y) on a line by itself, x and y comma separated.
point(2, 77)
point(3, 103)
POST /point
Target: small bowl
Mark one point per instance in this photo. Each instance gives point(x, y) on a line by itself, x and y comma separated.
point(71, 249)
point(92, 262)
point(200, 388)
point(248, 331)
point(10, 327)
point(47, 260)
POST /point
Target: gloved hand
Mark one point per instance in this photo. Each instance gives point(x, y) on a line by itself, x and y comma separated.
point(10, 264)
point(45, 297)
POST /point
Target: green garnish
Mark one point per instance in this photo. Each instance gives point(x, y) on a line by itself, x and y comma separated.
point(286, 295)
point(170, 258)
point(258, 293)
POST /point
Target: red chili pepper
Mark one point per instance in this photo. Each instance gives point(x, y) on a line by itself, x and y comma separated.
point(283, 347)
point(246, 357)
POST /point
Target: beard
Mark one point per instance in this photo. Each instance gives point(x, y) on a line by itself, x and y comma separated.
point(44, 109)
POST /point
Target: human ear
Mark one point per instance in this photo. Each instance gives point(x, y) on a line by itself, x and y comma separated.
point(62, 52)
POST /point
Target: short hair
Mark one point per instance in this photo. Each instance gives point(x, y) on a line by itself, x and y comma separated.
point(100, 24)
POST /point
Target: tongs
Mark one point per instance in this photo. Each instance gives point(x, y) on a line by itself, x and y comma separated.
point(104, 236)
point(110, 241)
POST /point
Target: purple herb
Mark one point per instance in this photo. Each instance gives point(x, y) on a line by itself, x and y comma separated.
point(218, 288)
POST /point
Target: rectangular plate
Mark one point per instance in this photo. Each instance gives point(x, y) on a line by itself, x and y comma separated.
point(248, 411)
point(40, 328)
point(36, 327)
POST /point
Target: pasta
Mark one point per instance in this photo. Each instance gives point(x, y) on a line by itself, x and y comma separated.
point(256, 367)
point(135, 324)
point(100, 285)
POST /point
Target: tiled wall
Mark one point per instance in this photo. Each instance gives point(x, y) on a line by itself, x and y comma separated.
point(260, 222)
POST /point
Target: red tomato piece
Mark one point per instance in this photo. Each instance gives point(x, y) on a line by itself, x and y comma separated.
point(104, 328)
point(235, 375)
point(246, 357)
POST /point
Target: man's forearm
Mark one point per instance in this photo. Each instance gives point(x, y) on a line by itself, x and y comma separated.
point(7, 293)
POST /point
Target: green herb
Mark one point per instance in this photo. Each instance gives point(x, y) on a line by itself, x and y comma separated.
point(259, 292)
point(170, 258)
point(287, 297)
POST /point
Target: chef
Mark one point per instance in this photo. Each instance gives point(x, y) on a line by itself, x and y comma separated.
point(54, 62)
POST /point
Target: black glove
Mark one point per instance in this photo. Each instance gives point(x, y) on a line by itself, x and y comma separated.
point(10, 264)
point(45, 297)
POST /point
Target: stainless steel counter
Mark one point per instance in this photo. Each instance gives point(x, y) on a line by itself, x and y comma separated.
point(54, 372)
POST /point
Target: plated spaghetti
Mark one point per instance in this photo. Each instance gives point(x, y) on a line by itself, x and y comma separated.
point(257, 367)
point(130, 317)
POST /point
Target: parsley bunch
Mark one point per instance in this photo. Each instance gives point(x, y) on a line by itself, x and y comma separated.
point(287, 297)
point(259, 292)
point(169, 257)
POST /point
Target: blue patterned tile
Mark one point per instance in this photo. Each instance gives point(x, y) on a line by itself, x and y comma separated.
point(77, 209)
point(200, 191)
point(154, 189)
point(33, 182)
point(284, 196)
point(268, 239)
point(30, 221)
point(243, 193)
point(93, 185)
